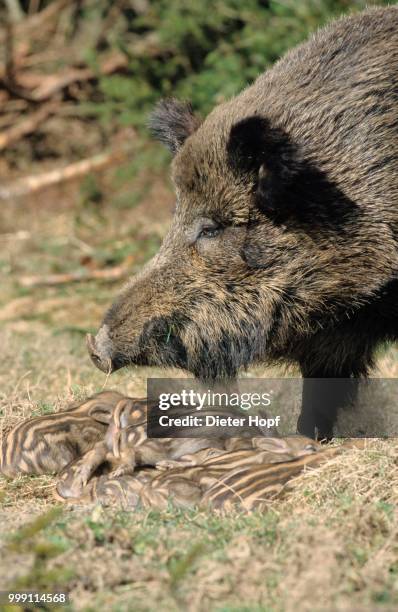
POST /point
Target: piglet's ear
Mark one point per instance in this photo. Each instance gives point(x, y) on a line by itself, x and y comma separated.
point(100, 413)
point(256, 148)
point(172, 121)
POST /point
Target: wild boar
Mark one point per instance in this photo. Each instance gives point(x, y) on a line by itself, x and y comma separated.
point(283, 245)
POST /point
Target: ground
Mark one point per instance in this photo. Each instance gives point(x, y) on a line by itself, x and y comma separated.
point(331, 544)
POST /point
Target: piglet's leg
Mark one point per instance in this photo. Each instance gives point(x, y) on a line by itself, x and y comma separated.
point(127, 464)
point(75, 476)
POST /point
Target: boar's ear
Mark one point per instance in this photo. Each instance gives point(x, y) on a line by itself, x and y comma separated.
point(172, 121)
point(266, 153)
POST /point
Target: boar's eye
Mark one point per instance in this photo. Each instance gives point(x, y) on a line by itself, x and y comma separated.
point(209, 232)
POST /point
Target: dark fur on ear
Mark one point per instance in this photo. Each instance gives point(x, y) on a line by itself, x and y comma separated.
point(257, 148)
point(285, 182)
point(172, 121)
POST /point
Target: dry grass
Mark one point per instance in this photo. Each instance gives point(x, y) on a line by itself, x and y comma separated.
point(331, 544)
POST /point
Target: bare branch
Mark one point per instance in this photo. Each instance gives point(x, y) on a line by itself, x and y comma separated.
point(26, 126)
point(15, 12)
point(107, 274)
point(31, 184)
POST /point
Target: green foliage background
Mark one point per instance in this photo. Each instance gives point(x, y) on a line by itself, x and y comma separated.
point(202, 50)
point(205, 51)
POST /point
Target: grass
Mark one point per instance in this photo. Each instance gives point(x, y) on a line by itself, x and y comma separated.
point(332, 544)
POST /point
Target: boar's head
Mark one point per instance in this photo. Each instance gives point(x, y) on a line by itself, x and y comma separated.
point(256, 257)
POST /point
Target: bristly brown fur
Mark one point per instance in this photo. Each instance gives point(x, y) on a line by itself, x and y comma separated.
point(284, 241)
point(172, 121)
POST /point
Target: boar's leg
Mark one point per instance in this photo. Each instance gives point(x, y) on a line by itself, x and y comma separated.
point(323, 396)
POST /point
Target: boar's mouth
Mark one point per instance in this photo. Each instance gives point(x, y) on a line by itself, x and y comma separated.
point(103, 361)
point(158, 344)
point(161, 344)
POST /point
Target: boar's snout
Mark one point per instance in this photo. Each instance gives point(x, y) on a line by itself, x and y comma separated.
point(101, 351)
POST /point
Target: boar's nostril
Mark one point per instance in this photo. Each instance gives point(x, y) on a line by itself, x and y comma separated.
point(101, 360)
